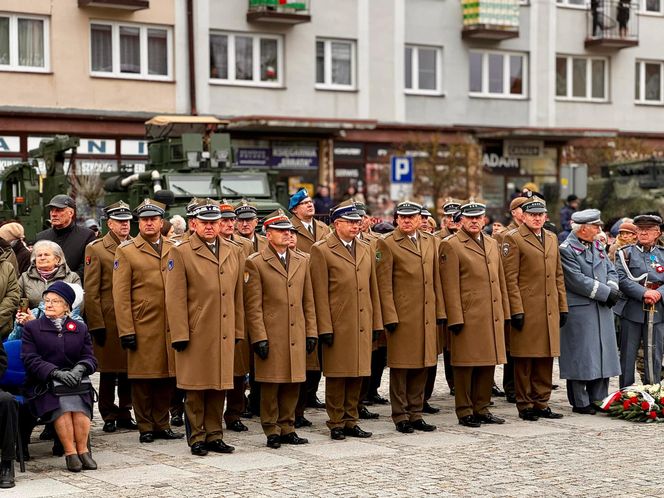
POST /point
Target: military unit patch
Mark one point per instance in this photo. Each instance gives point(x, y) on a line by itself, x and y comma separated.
point(506, 249)
point(379, 256)
point(116, 264)
point(88, 260)
point(171, 264)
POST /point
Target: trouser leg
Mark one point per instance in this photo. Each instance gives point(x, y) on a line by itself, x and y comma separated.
point(522, 388)
point(194, 407)
point(541, 382)
point(449, 369)
point(577, 393)
point(378, 364)
point(270, 407)
point(313, 380)
point(177, 402)
point(204, 411)
point(429, 383)
point(335, 393)
point(107, 407)
point(124, 396)
point(463, 384)
point(141, 398)
point(162, 395)
point(8, 426)
point(301, 400)
point(630, 339)
point(288, 394)
point(417, 378)
point(214, 409)
point(508, 376)
point(652, 356)
point(235, 401)
point(482, 383)
point(598, 389)
point(351, 401)
point(398, 400)
point(364, 390)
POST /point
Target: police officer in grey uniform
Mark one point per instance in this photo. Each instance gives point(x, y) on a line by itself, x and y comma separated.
point(640, 268)
point(588, 349)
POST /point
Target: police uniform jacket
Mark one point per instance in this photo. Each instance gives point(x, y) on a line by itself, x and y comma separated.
point(588, 348)
point(304, 238)
point(347, 305)
point(99, 308)
point(242, 349)
point(536, 288)
point(475, 296)
point(410, 295)
point(280, 309)
point(205, 307)
point(139, 275)
point(634, 261)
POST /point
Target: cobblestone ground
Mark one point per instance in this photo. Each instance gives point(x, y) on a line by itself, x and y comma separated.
point(579, 455)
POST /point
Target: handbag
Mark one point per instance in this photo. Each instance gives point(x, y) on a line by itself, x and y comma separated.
point(59, 389)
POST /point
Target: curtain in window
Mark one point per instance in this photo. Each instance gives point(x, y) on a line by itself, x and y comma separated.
point(269, 62)
point(219, 56)
point(496, 73)
point(31, 42)
point(157, 52)
point(130, 50)
point(320, 62)
point(427, 68)
point(409, 68)
point(244, 58)
point(653, 82)
point(101, 47)
point(341, 63)
point(4, 40)
point(475, 73)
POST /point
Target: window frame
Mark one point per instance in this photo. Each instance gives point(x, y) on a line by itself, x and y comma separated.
point(327, 65)
point(656, 13)
point(589, 82)
point(256, 60)
point(565, 4)
point(415, 49)
point(115, 73)
point(13, 65)
point(484, 93)
point(642, 82)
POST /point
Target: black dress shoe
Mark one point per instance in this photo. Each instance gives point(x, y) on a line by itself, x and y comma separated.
point(547, 413)
point(47, 434)
point(489, 418)
point(199, 449)
point(510, 398)
point(337, 434)
point(554, 387)
point(237, 426)
point(496, 391)
point(356, 431)
point(315, 403)
point(146, 437)
point(405, 427)
point(219, 446)
point(109, 426)
point(292, 438)
point(528, 414)
point(427, 408)
point(127, 423)
point(246, 413)
point(177, 420)
point(167, 434)
point(73, 463)
point(584, 410)
point(87, 461)
point(365, 414)
point(469, 421)
point(300, 421)
point(421, 425)
point(273, 441)
point(7, 477)
point(57, 450)
point(378, 399)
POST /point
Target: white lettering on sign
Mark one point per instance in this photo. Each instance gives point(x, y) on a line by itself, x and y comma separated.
point(494, 161)
point(134, 148)
point(96, 146)
point(523, 148)
point(5, 162)
point(347, 151)
point(10, 144)
point(92, 166)
point(346, 173)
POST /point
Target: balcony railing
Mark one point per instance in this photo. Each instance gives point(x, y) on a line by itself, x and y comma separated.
point(116, 4)
point(612, 24)
point(490, 19)
point(279, 11)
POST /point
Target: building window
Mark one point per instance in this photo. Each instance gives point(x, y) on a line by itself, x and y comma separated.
point(130, 51)
point(423, 70)
point(652, 6)
point(246, 59)
point(497, 74)
point(335, 64)
point(24, 43)
point(573, 3)
point(582, 78)
point(649, 79)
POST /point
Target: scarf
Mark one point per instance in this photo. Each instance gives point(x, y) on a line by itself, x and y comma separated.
point(58, 322)
point(47, 275)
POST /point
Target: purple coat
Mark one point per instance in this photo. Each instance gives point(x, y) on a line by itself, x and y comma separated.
point(45, 349)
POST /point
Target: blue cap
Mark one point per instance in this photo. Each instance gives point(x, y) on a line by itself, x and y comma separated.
point(297, 198)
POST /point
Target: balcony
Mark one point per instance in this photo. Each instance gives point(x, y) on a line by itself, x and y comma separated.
point(612, 25)
point(490, 20)
point(116, 4)
point(279, 11)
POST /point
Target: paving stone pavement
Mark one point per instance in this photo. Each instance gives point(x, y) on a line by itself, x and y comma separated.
point(579, 455)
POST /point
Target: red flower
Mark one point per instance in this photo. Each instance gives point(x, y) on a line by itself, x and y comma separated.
point(644, 405)
point(633, 400)
point(661, 401)
point(626, 404)
point(652, 415)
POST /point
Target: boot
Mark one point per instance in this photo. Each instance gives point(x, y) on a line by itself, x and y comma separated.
point(7, 474)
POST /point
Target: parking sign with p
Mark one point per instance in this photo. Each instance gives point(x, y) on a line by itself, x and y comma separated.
point(402, 169)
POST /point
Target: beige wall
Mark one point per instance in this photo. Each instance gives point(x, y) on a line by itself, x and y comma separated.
point(69, 84)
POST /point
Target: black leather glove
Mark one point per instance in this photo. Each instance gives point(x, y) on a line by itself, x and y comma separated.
point(262, 348)
point(375, 335)
point(441, 321)
point(517, 321)
point(456, 328)
point(67, 377)
point(129, 342)
point(311, 344)
point(614, 297)
point(563, 318)
point(391, 327)
point(79, 372)
point(327, 338)
point(99, 336)
point(180, 346)
point(237, 340)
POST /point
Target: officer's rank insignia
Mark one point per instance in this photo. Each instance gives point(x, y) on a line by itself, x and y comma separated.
point(116, 264)
point(88, 259)
point(171, 264)
point(379, 256)
point(246, 277)
point(506, 249)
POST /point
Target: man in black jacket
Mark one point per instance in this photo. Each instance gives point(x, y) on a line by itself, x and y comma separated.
point(8, 429)
point(66, 233)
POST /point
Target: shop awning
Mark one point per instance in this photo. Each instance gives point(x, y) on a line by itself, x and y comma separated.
point(298, 125)
point(549, 134)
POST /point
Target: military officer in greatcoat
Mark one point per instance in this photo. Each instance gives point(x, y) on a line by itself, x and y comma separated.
point(100, 317)
point(309, 231)
point(538, 308)
point(448, 224)
point(412, 306)
point(472, 276)
point(139, 274)
point(640, 269)
point(588, 349)
point(205, 274)
point(343, 274)
point(281, 323)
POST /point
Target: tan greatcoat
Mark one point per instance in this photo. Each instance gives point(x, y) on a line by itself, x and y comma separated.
point(241, 364)
point(536, 288)
point(475, 295)
point(280, 309)
point(205, 307)
point(99, 309)
point(139, 275)
point(410, 295)
point(347, 305)
point(304, 239)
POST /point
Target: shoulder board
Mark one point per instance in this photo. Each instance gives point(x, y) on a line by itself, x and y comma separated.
point(96, 241)
point(449, 236)
point(511, 232)
point(253, 255)
point(388, 235)
point(234, 242)
point(319, 243)
point(126, 243)
point(361, 241)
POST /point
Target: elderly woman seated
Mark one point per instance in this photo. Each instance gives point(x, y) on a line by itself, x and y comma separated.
point(58, 358)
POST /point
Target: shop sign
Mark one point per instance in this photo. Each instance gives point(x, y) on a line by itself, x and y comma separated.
point(253, 157)
point(523, 148)
point(496, 162)
point(294, 156)
point(10, 144)
point(346, 151)
point(95, 166)
point(5, 162)
point(346, 173)
point(87, 146)
point(134, 148)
